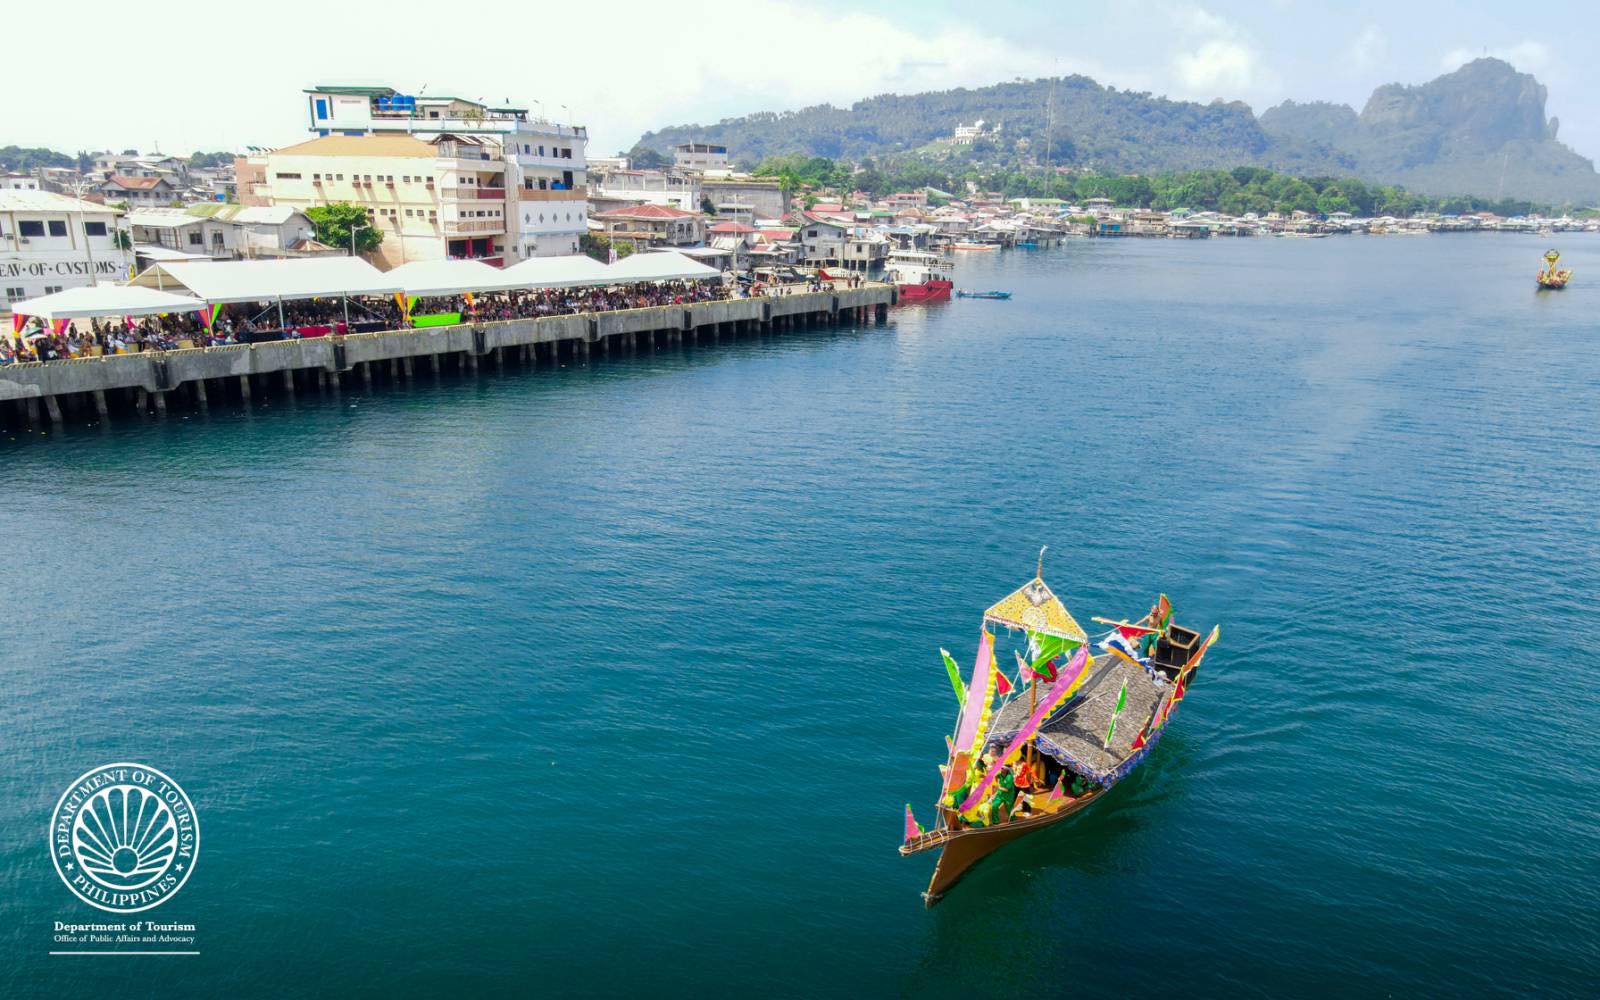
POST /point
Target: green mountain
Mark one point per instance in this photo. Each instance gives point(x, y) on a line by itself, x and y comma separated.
point(1479, 130)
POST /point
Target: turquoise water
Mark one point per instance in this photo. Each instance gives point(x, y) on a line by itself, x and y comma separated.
point(617, 677)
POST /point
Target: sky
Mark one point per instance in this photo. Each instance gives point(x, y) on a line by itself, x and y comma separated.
point(221, 77)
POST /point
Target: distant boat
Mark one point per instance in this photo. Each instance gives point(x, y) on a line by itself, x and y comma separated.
point(974, 246)
point(983, 295)
point(1553, 277)
point(920, 276)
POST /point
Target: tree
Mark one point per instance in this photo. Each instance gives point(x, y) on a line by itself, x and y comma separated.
point(644, 158)
point(333, 224)
point(600, 247)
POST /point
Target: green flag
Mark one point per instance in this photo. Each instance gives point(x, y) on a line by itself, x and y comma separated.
point(1122, 701)
point(1049, 647)
point(955, 676)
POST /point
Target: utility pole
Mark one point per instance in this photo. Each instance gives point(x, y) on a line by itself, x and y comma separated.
point(77, 189)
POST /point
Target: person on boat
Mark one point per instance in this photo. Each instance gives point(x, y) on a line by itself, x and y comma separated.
point(1004, 798)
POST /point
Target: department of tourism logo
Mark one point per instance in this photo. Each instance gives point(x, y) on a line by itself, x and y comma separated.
point(124, 837)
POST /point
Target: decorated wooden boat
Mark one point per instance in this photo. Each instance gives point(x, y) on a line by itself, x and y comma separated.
point(1080, 716)
point(983, 295)
point(1551, 276)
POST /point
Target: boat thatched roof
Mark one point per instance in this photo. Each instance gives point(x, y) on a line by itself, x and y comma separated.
point(1074, 735)
point(1034, 607)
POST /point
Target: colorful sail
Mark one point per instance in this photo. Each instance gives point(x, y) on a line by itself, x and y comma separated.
point(1070, 679)
point(955, 675)
point(980, 695)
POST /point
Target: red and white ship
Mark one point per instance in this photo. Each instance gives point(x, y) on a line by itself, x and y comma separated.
point(920, 276)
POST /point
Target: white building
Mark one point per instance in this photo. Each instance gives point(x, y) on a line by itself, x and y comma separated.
point(528, 178)
point(673, 188)
point(49, 242)
point(700, 156)
point(18, 182)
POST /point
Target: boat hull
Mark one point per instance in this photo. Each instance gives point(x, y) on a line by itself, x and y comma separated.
point(961, 849)
point(933, 288)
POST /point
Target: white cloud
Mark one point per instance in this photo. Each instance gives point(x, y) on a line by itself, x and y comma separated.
point(645, 65)
point(1368, 50)
point(1225, 63)
point(1527, 55)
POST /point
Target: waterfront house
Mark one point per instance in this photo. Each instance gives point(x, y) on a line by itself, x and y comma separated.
point(656, 225)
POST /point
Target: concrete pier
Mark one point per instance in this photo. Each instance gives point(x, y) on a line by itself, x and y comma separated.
point(79, 383)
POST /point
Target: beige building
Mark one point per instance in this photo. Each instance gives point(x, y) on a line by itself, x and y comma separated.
point(443, 197)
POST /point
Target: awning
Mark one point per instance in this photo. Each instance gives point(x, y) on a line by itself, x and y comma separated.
point(568, 271)
point(661, 266)
point(451, 277)
point(105, 300)
point(268, 280)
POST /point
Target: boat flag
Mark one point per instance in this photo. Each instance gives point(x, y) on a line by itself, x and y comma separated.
point(1002, 686)
point(1059, 792)
point(913, 828)
point(1122, 702)
point(955, 675)
point(1139, 742)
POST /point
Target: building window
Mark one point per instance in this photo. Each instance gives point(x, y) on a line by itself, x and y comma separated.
point(16, 294)
point(338, 177)
point(316, 177)
point(58, 228)
point(195, 240)
point(287, 177)
point(51, 289)
point(94, 229)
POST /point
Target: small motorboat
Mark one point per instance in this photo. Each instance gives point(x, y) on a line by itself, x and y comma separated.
point(983, 295)
point(964, 245)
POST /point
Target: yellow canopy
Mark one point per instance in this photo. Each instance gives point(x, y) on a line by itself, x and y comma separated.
point(1033, 607)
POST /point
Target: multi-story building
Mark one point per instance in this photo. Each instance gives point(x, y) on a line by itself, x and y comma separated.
point(152, 190)
point(444, 176)
point(744, 198)
point(700, 156)
point(18, 182)
point(675, 188)
point(656, 225)
point(49, 242)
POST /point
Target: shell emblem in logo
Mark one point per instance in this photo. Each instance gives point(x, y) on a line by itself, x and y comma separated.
point(125, 837)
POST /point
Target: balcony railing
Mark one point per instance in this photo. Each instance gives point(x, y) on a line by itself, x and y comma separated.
point(568, 194)
point(473, 193)
point(453, 227)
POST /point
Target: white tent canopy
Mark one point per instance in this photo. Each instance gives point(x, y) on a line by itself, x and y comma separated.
point(267, 280)
point(452, 277)
point(105, 300)
point(660, 266)
point(567, 271)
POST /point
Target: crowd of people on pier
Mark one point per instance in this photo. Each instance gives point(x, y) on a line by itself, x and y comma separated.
point(244, 323)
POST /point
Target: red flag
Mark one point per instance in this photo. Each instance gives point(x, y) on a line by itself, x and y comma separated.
point(1133, 631)
point(1139, 741)
point(1182, 688)
point(1001, 685)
